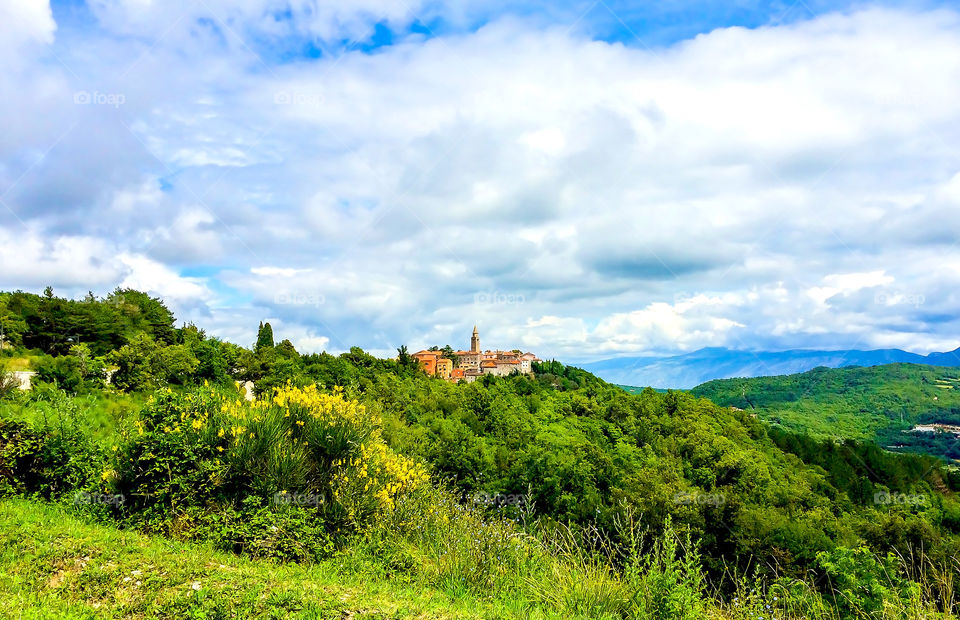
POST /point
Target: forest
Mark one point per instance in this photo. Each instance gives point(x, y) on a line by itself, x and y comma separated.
point(879, 404)
point(633, 505)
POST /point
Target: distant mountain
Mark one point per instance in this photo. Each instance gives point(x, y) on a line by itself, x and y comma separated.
point(692, 369)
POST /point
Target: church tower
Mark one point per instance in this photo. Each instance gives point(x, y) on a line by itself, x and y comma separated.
point(475, 341)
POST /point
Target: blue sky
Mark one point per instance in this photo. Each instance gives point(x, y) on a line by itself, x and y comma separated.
point(650, 24)
point(583, 179)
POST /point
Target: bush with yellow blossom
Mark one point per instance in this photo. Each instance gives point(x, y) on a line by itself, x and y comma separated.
point(305, 440)
point(315, 453)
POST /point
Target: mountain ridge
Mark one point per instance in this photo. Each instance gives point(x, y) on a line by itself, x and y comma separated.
point(689, 370)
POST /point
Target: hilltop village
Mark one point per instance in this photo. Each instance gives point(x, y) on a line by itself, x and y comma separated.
point(466, 366)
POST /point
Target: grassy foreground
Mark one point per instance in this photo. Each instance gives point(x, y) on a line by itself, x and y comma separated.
point(54, 564)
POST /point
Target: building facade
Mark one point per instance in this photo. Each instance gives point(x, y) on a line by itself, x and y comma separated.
point(428, 361)
point(444, 367)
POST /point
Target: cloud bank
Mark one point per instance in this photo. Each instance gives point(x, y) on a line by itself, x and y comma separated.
point(788, 185)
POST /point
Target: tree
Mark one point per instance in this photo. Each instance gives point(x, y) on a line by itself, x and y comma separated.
point(403, 356)
point(174, 364)
point(287, 350)
point(264, 337)
point(84, 358)
point(12, 326)
point(214, 362)
point(141, 312)
point(63, 371)
point(143, 364)
point(282, 371)
point(133, 364)
point(448, 353)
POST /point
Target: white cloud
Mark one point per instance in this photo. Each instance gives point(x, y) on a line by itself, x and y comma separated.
point(74, 265)
point(147, 275)
point(687, 325)
point(23, 22)
point(310, 344)
point(776, 187)
point(30, 261)
point(846, 283)
point(186, 296)
point(277, 271)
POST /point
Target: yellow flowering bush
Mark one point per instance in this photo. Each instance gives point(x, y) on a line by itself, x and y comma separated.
point(374, 479)
point(320, 452)
point(305, 440)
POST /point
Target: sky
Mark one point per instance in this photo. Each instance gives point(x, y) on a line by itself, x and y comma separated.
point(580, 179)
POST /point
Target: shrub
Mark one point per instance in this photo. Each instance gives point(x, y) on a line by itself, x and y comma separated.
point(673, 583)
point(144, 364)
point(50, 458)
point(19, 448)
point(260, 529)
point(861, 581)
point(63, 372)
point(316, 460)
point(72, 372)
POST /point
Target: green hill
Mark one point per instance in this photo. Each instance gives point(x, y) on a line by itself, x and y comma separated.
point(877, 404)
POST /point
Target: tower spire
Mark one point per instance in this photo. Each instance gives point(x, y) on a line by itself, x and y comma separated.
point(475, 341)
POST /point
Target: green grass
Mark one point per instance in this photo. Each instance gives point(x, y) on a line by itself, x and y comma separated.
point(55, 564)
point(18, 363)
point(99, 414)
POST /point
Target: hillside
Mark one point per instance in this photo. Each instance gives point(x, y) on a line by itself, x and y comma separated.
point(692, 369)
point(551, 494)
point(876, 404)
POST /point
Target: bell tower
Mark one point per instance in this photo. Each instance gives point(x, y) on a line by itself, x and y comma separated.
point(475, 341)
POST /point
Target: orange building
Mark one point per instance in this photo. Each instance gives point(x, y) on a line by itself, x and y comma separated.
point(428, 361)
point(433, 363)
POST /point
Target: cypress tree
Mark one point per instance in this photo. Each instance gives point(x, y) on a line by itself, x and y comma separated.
point(264, 337)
